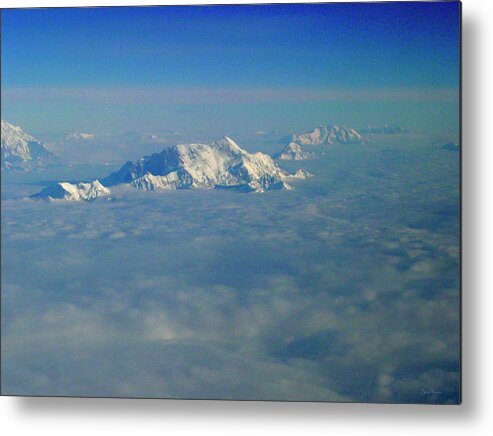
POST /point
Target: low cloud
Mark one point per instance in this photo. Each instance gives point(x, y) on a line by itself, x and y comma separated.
point(345, 288)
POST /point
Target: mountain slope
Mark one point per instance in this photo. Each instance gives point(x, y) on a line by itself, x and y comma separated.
point(20, 150)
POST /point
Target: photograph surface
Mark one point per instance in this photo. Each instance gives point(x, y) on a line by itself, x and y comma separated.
point(249, 202)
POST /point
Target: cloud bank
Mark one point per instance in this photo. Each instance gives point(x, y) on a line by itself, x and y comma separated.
point(345, 289)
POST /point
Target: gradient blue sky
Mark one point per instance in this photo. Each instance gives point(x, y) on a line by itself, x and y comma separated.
point(332, 60)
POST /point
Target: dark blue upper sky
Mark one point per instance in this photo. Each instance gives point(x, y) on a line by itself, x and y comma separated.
point(219, 68)
point(348, 45)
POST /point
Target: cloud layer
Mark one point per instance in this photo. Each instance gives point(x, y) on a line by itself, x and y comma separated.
point(344, 289)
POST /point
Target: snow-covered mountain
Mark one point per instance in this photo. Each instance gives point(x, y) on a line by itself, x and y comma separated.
point(73, 192)
point(20, 150)
point(222, 164)
point(328, 135)
point(292, 151)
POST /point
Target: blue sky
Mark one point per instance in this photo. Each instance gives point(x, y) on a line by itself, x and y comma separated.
point(113, 60)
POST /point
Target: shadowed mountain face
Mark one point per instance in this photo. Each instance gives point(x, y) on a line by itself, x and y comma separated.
point(20, 150)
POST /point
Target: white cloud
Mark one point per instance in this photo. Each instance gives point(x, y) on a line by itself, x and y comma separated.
point(308, 294)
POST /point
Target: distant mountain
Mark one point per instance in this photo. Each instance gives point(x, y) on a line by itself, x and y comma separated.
point(385, 130)
point(301, 174)
point(328, 135)
point(220, 165)
point(451, 146)
point(73, 192)
point(80, 136)
point(292, 151)
point(20, 150)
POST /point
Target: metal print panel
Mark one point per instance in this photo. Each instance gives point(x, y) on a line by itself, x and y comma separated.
point(251, 202)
